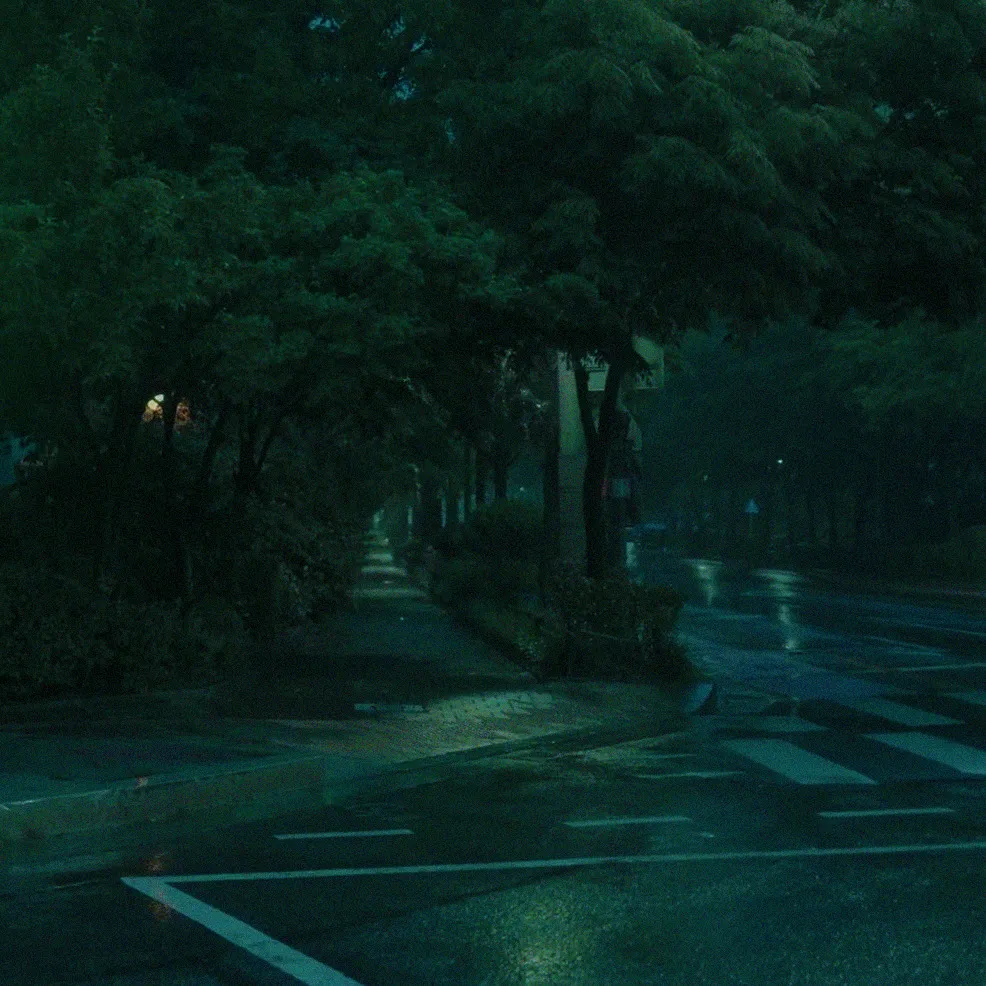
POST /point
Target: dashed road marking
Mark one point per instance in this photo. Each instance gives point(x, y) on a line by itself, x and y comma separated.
point(881, 812)
point(649, 820)
point(360, 834)
point(700, 774)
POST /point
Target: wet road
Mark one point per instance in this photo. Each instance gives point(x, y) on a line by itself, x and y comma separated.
point(667, 862)
point(843, 844)
point(775, 629)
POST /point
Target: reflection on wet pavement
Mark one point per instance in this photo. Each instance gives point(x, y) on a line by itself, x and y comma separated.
point(749, 625)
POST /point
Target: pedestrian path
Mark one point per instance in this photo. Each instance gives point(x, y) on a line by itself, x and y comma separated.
point(862, 742)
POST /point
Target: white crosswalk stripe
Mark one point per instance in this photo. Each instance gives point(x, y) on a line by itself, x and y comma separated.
point(958, 756)
point(906, 715)
point(795, 763)
point(971, 698)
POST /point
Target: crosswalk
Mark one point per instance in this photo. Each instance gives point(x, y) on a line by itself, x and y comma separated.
point(859, 749)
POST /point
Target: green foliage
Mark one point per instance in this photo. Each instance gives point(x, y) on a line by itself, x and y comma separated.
point(614, 605)
point(961, 557)
point(460, 580)
point(506, 530)
point(280, 565)
point(57, 635)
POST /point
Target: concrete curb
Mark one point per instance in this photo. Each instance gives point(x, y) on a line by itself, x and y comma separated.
point(112, 816)
point(221, 792)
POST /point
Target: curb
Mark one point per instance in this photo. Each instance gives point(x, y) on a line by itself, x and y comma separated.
point(110, 818)
point(167, 799)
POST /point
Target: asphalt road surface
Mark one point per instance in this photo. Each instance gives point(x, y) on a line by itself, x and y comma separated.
point(836, 839)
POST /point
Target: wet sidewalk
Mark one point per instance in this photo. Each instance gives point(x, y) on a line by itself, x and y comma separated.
point(373, 696)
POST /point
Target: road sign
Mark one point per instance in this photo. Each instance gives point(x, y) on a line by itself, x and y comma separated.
point(752, 508)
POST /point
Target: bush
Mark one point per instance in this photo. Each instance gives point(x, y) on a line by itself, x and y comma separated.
point(279, 565)
point(57, 635)
point(214, 638)
point(457, 581)
point(506, 530)
point(411, 554)
point(615, 626)
point(963, 556)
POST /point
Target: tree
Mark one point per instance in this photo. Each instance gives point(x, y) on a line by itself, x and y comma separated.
point(255, 304)
point(609, 113)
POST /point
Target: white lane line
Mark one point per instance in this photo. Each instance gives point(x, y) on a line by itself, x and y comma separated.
point(906, 715)
point(931, 626)
point(966, 759)
point(651, 820)
point(563, 864)
point(269, 950)
point(668, 756)
point(971, 698)
point(881, 812)
point(794, 763)
point(701, 774)
point(360, 834)
point(944, 667)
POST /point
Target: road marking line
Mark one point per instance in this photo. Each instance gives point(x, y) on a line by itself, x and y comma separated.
point(972, 698)
point(880, 812)
point(562, 864)
point(944, 667)
point(931, 626)
point(702, 774)
point(667, 756)
point(269, 950)
point(794, 763)
point(906, 715)
point(361, 834)
point(965, 759)
point(601, 822)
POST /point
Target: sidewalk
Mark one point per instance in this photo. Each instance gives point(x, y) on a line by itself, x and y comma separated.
point(392, 691)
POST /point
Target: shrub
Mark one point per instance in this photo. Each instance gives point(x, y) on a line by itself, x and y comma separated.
point(58, 635)
point(613, 625)
point(614, 605)
point(506, 530)
point(457, 581)
point(214, 638)
point(412, 553)
point(279, 565)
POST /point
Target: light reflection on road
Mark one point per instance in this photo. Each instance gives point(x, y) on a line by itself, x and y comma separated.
point(766, 616)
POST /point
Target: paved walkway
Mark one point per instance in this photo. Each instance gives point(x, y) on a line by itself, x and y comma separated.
point(392, 688)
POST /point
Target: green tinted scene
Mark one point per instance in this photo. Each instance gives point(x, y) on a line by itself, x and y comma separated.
point(493, 494)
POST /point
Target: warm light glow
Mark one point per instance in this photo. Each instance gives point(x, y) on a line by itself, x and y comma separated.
point(154, 411)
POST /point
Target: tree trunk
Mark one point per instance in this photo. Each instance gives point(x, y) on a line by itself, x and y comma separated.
point(833, 518)
point(501, 471)
point(598, 444)
point(482, 468)
point(551, 491)
point(467, 480)
point(118, 454)
point(174, 515)
point(431, 509)
point(811, 517)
